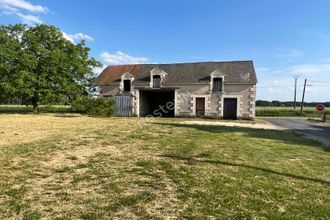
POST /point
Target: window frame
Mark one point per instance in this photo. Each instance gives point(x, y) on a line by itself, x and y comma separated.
point(220, 83)
point(125, 81)
point(159, 83)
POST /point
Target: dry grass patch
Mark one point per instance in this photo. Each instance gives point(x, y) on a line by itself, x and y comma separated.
point(99, 168)
point(20, 129)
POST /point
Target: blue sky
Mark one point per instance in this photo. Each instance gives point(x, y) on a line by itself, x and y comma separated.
point(282, 37)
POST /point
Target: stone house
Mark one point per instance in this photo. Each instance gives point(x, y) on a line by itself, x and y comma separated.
point(212, 89)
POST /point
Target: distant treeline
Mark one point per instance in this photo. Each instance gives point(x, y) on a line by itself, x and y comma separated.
point(289, 104)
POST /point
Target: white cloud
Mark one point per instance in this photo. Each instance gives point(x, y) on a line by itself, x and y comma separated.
point(25, 18)
point(19, 8)
point(77, 36)
point(29, 19)
point(15, 5)
point(8, 8)
point(310, 68)
point(98, 70)
point(66, 36)
point(278, 83)
point(286, 56)
point(122, 58)
point(275, 90)
point(290, 53)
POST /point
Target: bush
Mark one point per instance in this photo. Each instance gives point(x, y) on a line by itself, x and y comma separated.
point(288, 112)
point(94, 106)
point(42, 108)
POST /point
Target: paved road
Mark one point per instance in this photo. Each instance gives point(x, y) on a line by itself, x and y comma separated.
point(317, 131)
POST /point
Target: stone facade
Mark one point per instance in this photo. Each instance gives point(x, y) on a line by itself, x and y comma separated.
point(185, 99)
point(238, 83)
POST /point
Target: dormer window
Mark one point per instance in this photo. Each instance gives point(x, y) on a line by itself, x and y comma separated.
point(157, 77)
point(127, 85)
point(156, 81)
point(126, 82)
point(217, 79)
point(217, 84)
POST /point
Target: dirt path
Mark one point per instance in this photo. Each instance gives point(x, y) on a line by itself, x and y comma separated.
point(267, 126)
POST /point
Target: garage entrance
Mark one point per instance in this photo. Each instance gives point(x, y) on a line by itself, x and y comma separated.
point(230, 108)
point(158, 103)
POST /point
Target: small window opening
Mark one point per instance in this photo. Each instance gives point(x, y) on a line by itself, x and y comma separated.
point(127, 85)
point(217, 85)
point(156, 81)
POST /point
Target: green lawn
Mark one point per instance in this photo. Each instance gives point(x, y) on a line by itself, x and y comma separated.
point(71, 166)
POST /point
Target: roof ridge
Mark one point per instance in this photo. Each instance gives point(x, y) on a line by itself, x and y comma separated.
point(175, 63)
point(201, 62)
point(195, 72)
point(137, 64)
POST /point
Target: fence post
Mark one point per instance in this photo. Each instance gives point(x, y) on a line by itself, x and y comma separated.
point(324, 117)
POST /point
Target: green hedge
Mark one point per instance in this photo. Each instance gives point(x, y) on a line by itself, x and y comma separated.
point(288, 112)
point(94, 106)
point(41, 108)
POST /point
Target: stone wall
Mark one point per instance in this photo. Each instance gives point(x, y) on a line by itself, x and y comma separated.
point(186, 94)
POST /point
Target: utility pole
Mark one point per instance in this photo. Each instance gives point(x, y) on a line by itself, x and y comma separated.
point(295, 91)
point(303, 97)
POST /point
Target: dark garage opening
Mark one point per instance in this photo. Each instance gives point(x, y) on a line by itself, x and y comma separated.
point(230, 108)
point(158, 103)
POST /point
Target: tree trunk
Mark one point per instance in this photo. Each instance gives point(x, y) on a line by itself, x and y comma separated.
point(34, 101)
point(35, 108)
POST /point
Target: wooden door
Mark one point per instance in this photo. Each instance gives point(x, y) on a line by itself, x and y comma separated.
point(230, 108)
point(200, 107)
point(123, 105)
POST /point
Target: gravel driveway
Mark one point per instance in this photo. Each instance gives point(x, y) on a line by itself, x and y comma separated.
point(268, 126)
point(316, 131)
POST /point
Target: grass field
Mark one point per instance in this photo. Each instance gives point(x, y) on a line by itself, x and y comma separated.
point(288, 112)
point(70, 166)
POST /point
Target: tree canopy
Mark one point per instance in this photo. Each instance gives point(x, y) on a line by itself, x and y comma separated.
point(38, 65)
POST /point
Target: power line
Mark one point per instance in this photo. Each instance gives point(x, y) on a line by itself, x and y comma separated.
point(319, 81)
point(264, 87)
point(320, 85)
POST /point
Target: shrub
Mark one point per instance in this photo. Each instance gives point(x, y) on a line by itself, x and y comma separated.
point(288, 112)
point(42, 108)
point(94, 106)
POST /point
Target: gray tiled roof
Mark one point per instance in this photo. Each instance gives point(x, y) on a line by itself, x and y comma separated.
point(184, 73)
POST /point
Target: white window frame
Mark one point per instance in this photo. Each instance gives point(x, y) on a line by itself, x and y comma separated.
point(157, 72)
point(217, 74)
point(126, 76)
point(238, 108)
point(207, 100)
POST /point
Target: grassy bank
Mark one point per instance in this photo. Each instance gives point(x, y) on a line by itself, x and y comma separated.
point(29, 109)
point(288, 112)
point(77, 167)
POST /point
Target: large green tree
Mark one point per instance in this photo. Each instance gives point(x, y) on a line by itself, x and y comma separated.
point(38, 65)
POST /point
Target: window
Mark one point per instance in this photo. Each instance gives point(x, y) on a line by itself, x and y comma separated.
point(127, 85)
point(156, 81)
point(217, 85)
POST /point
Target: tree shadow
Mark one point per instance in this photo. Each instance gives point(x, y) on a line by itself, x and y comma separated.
point(319, 132)
point(209, 161)
point(288, 137)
